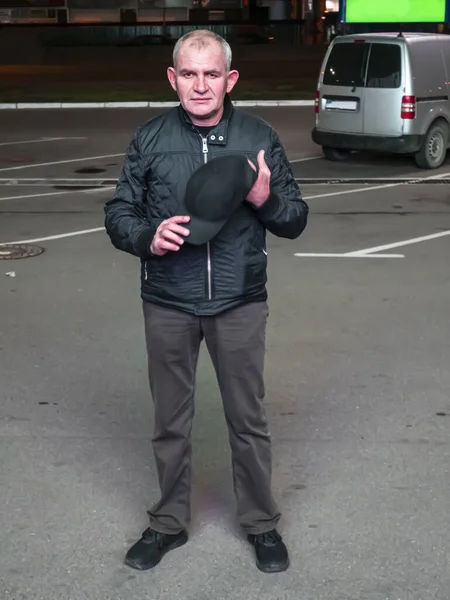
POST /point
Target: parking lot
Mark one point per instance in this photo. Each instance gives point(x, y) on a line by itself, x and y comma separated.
point(357, 378)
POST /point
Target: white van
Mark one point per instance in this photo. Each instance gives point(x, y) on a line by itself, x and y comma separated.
point(385, 92)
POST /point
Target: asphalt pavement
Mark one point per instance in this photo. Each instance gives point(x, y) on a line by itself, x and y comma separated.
point(357, 378)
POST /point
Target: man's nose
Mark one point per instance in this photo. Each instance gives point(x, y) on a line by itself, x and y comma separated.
point(200, 85)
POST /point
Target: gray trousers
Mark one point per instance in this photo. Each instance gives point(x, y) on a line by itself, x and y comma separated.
point(236, 344)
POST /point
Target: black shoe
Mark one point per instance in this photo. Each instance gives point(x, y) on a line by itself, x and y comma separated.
point(152, 546)
point(271, 552)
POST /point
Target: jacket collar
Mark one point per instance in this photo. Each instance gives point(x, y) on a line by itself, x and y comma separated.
point(218, 135)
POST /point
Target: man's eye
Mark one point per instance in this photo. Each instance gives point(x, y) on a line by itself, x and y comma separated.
point(188, 74)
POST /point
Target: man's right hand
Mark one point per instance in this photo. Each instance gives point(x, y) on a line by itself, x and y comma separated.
point(168, 236)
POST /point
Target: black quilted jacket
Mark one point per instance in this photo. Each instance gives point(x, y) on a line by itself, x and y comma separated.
point(229, 270)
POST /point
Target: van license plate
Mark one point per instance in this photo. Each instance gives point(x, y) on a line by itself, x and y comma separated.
point(341, 104)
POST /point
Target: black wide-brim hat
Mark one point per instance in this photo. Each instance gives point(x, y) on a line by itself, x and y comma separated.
point(214, 191)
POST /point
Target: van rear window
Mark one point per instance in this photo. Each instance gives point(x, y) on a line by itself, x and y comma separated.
point(385, 66)
point(347, 65)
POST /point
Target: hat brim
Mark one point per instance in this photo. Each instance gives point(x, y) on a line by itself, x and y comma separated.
point(202, 231)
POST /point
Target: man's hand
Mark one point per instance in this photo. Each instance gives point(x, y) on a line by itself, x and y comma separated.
point(260, 191)
point(167, 236)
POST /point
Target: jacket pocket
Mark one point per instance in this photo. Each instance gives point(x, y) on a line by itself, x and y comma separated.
point(256, 269)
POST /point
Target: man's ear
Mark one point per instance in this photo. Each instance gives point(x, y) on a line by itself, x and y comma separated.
point(172, 77)
point(232, 78)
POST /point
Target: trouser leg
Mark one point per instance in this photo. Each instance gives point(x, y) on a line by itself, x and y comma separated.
point(236, 344)
point(173, 341)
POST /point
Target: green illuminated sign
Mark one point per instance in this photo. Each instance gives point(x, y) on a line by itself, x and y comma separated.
point(395, 11)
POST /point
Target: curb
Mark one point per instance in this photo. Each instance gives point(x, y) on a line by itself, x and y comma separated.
point(52, 105)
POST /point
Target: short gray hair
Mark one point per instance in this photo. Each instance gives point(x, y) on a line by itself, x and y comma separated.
point(203, 37)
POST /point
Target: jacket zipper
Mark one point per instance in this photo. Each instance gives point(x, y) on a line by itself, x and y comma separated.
point(208, 247)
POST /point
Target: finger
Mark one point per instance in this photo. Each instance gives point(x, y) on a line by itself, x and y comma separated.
point(251, 164)
point(264, 169)
point(261, 161)
point(178, 219)
point(168, 235)
point(176, 228)
point(165, 245)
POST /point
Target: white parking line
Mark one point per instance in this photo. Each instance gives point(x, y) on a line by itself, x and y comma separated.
point(56, 237)
point(346, 255)
point(61, 193)
point(46, 182)
point(60, 162)
point(41, 141)
point(370, 188)
point(52, 180)
point(3, 199)
point(364, 189)
point(417, 240)
point(297, 160)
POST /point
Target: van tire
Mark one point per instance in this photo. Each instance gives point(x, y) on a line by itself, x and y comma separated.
point(434, 148)
point(335, 154)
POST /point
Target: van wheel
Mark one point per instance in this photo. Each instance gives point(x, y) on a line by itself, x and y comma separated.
point(434, 148)
point(335, 154)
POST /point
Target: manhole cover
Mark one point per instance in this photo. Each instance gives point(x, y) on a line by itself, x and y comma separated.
point(13, 251)
point(89, 170)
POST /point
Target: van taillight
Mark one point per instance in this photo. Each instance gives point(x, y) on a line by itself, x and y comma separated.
point(317, 102)
point(408, 107)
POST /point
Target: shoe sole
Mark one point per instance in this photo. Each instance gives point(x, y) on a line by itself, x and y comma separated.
point(274, 569)
point(181, 542)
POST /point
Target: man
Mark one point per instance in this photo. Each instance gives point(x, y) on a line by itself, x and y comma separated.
point(216, 291)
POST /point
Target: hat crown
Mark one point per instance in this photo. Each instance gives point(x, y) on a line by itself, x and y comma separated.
point(217, 185)
point(213, 194)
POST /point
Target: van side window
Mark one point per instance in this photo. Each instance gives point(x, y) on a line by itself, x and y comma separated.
point(346, 65)
point(385, 66)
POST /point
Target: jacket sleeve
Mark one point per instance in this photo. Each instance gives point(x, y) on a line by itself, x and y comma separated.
point(284, 213)
point(126, 220)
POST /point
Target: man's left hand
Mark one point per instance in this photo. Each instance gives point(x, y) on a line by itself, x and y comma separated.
point(260, 191)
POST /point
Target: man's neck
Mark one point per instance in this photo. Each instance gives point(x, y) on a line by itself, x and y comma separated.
point(210, 122)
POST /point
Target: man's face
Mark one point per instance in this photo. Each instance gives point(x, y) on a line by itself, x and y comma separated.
point(201, 81)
